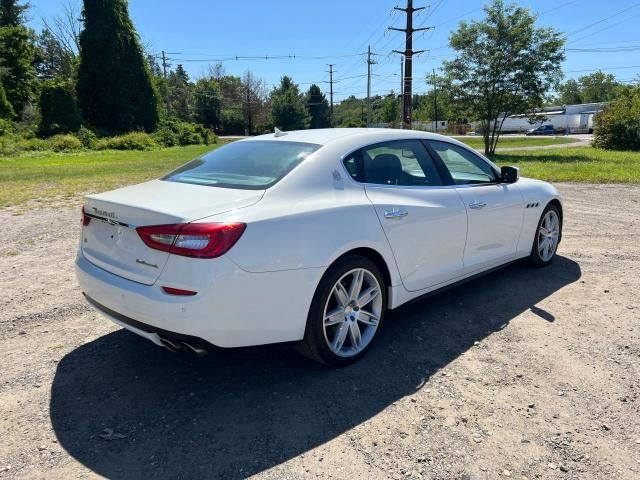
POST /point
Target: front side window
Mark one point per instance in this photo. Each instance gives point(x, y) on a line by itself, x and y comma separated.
point(250, 165)
point(465, 167)
point(402, 162)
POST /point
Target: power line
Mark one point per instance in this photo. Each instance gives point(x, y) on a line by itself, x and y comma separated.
point(602, 20)
point(605, 28)
point(604, 68)
point(290, 56)
point(565, 4)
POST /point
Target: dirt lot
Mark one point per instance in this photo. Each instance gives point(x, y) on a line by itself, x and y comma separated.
point(524, 373)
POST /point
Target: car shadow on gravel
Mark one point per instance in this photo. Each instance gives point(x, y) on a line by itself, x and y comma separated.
point(127, 409)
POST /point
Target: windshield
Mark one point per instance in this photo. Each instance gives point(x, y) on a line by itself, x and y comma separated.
point(252, 165)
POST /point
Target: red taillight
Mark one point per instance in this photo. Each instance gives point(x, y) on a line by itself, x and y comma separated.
point(178, 291)
point(199, 240)
point(85, 218)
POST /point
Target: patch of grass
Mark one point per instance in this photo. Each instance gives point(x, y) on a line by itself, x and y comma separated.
point(587, 164)
point(41, 176)
point(513, 142)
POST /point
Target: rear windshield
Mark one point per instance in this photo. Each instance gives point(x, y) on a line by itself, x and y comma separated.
point(253, 165)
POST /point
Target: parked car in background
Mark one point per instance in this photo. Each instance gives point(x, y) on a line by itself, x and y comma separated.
point(307, 237)
point(542, 130)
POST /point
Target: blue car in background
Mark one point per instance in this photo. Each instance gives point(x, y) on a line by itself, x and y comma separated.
point(542, 130)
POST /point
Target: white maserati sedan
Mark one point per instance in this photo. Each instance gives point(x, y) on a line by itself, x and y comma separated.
point(306, 237)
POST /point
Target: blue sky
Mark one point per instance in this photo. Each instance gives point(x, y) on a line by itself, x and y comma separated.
point(198, 32)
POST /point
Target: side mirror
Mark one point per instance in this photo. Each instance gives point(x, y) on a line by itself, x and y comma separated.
point(509, 174)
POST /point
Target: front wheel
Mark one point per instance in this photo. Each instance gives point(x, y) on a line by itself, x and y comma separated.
point(346, 312)
point(545, 243)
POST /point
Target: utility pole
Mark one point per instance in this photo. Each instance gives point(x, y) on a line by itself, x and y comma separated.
point(166, 85)
point(435, 100)
point(249, 122)
point(369, 63)
point(331, 65)
point(408, 58)
point(401, 86)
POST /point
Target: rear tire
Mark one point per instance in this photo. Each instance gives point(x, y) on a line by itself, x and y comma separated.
point(346, 313)
point(547, 237)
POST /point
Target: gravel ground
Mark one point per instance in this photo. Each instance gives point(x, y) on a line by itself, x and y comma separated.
point(524, 373)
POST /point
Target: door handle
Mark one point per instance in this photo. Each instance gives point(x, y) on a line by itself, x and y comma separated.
point(477, 204)
point(396, 213)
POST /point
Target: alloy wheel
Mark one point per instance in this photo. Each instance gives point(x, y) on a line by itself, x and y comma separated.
point(548, 235)
point(352, 312)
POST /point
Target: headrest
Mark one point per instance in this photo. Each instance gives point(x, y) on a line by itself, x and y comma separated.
point(385, 168)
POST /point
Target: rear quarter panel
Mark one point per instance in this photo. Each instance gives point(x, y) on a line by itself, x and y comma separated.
point(313, 216)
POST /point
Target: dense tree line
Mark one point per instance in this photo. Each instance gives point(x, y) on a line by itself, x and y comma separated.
point(593, 88)
point(87, 71)
point(87, 68)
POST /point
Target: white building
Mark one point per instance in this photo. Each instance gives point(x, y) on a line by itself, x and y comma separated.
point(565, 119)
point(429, 126)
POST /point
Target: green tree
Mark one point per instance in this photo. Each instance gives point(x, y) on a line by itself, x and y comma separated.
point(318, 108)
point(595, 87)
point(437, 98)
point(350, 112)
point(52, 58)
point(115, 91)
point(389, 109)
point(599, 87)
point(504, 65)
point(17, 55)
point(12, 13)
point(232, 121)
point(208, 103)
point(58, 109)
point(570, 93)
point(181, 98)
point(288, 106)
point(6, 111)
point(617, 127)
point(254, 93)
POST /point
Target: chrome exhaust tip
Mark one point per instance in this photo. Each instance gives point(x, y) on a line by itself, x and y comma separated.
point(182, 347)
point(169, 345)
point(194, 350)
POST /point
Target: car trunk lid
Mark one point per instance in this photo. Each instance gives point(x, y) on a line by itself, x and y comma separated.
point(111, 241)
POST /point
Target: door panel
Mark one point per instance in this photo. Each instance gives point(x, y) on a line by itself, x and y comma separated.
point(426, 228)
point(495, 210)
point(495, 215)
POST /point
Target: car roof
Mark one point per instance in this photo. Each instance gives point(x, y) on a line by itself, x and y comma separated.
point(324, 136)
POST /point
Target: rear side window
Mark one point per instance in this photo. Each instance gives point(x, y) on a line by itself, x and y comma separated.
point(251, 165)
point(353, 164)
point(402, 163)
point(465, 167)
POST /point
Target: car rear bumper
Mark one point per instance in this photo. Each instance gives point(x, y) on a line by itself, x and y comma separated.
point(233, 308)
point(163, 338)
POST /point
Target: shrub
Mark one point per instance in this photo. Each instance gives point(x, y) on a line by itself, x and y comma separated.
point(6, 111)
point(64, 143)
point(6, 126)
point(232, 122)
point(617, 127)
point(58, 109)
point(9, 145)
point(34, 145)
point(87, 138)
point(173, 132)
point(128, 141)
